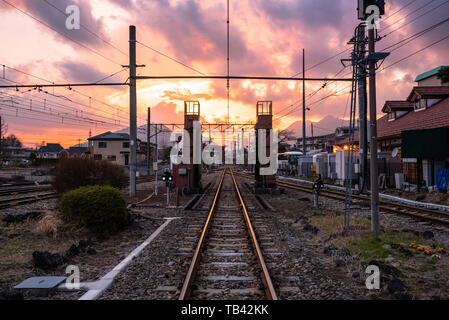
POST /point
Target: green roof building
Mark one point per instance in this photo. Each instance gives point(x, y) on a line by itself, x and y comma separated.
point(429, 78)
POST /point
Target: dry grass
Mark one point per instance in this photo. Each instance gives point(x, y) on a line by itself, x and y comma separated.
point(50, 225)
point(333, 223)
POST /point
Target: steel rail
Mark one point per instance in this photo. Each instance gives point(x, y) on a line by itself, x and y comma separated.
point(385, 204)
point(394, 208)
point(266, 279)
point(15, 202)
point(13, 192)
point(436, 217)
point(185, 291)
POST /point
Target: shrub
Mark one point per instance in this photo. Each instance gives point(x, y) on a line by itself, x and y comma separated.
point(71, 173)
point(98, 208)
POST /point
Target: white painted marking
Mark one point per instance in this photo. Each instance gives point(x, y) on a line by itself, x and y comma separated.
point(105, 282)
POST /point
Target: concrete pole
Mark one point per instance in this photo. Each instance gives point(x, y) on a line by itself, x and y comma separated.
point(303, 102)
point(148, 142)
point(1, 131)
point(168, 195)
point(157, 164)
point(227, 51)
point(363, 143)
point(313, 140)
point(132, 111)
point(373, 136)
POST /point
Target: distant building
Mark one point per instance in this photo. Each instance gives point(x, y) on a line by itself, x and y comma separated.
point(10, 154)
point(74, 152)
point(50, 151)
point(326, 142)
point(114, 147)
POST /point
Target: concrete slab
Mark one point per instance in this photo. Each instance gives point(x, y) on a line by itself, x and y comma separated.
point(44, 283)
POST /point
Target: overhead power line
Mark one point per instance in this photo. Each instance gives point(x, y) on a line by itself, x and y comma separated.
point(412, 20)
point(400, 9)
point(51, 105)
point(72, 90)
point(414, 53)
point(88, 30)
point(403, 7)
point(413, 37)
point(168, 57)
point(62, 34)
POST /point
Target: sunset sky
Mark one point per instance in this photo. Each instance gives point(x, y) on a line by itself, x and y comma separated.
point(266, 39)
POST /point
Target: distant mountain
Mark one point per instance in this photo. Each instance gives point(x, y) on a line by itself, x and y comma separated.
point(326, 125)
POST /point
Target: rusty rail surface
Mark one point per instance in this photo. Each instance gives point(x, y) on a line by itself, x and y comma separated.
point(266, 279)
point(7, 203)
point(433, 216)
point(185, 291)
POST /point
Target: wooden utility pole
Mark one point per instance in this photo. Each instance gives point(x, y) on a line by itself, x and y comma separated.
point(132, 111)
point(373, 135)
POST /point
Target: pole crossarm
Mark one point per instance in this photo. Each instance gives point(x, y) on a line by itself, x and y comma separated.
point(69, 85)
point(239, 78)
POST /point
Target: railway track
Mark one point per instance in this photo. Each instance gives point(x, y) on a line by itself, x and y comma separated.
point(8, 203)
point(228, 262)
point(21, 190)
point(432, 216)
point(24, 189)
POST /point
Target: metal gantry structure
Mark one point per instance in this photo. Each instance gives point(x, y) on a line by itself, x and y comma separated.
point(366, 67)
point(358, 72)
point(133, 78)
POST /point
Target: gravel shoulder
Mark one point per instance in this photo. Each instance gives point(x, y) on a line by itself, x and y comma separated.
point(406, 273)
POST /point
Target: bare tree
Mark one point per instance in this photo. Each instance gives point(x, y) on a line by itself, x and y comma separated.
point(12, 141)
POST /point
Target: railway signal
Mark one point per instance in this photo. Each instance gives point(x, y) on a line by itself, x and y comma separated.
point(317, 186)
point(168, 179)
point(365, 4)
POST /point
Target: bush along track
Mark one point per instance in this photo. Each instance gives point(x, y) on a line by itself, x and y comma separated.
point(98, 208)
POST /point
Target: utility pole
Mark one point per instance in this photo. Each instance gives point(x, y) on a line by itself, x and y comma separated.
point(132, 111)
point(313, 140)
point(1, 130)
point(157, 165)
point(227, 49)
point(373, 135)
point(148, 141)
point(363, 143)
point(303, 102)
